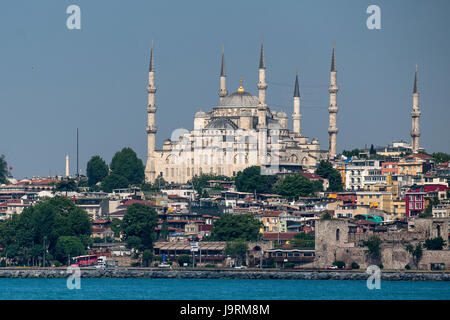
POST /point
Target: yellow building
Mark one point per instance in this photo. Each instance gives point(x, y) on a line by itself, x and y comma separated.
point(414, 164)
point(375, 199)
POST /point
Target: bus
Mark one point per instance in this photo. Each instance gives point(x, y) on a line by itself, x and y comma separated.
point(84, 261)
point(370, 217)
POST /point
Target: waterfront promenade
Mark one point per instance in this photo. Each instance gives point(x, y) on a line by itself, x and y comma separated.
point(208, 273)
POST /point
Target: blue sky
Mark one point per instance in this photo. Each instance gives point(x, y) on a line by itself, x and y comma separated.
point(53, 80)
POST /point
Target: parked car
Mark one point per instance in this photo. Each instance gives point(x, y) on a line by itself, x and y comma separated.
point(240, 267)
point(332, 267)
point(164, 265)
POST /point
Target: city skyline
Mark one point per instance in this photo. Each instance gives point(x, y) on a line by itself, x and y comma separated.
point(94, 79)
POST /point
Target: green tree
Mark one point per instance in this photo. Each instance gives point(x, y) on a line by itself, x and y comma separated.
point(68, 246)
point(199, 182)
point(440, 157)
point(325, 216)
point(303, 240)
point(326, 171)
point(147, 256)
point(184, 258)
point(114, 181)
point(116, 227)
point(232, 227)
point(251, 180)
point(4, 173)
point(434, 244)
point(96, 170)
point(139, 223)
point(39, 227)
point(66, 185)
point(293, 186)
point(349, 154)
point(237, 250)
point(126, 164)
point(372, 151)
point(164, 234)
point(374, 246)
point(416, 253)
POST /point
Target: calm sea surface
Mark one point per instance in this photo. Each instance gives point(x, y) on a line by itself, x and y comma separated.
point(218, 289)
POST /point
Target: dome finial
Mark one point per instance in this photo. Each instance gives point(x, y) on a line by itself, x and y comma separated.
point(241, 88)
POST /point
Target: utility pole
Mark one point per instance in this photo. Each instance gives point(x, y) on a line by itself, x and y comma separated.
point(45, 249)
point(78, 172)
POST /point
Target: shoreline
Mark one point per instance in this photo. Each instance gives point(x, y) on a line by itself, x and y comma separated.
point(223, 274)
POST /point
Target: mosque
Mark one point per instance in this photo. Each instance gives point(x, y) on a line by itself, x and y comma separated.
point(240, 131)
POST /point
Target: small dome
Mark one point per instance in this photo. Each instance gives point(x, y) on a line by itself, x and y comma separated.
point(239, 99)
point(281, 114)
point(200, 114)
point(167, 141)
point(315, 141)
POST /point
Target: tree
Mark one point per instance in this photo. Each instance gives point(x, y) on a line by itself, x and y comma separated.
point(416, 253)
point(440, 157)
point(293, 186)
point(232, 227)
point(199, 182)
point(68, 246)
point(138, 226)
point(325, 216)
point(114, 181)
point(374, 246)
point(66, 185)
point(147, 256)
point(251, 180)
point(237, 250)
point(4, 173)
point(184, 258)
point(116, 227)
point(434, 244)
point(326, 171)
point(303, 240)
point(164, 234)
point(349, 154)
point(126, 164)
point(96, 170)
point(38, 228)
point(372, 150)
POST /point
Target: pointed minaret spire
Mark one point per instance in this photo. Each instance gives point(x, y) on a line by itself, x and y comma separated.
point(296, 88)
point(150, 173)
point(332, 109)
point(222, 69)
point(152, 64)
point(415, 82)
point(333, 60)
point(262, 63)
point(415, 116)
point(223, 78)
point(296, 116)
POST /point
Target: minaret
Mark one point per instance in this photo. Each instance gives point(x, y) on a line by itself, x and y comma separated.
point(296, 116)
point(150, 173)
point(262, 109)
point(415, 115)
point(223, 88)
point(332, 109)
point(262, 86)
point(67, 166)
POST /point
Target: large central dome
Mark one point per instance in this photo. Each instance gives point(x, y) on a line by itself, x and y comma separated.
point(239, 99)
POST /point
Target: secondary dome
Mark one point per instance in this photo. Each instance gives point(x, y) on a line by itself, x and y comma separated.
point(239, 99)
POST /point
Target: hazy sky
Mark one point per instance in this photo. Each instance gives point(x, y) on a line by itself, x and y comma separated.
point(53, 80)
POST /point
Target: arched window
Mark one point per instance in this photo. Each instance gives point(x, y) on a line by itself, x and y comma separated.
point(337, 234)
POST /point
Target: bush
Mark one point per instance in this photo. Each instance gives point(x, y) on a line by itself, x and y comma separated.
point(339, 264)
point(355, 265)
point(135, 264)
point(380, 266)
point(434, 244)
point(210, 266)
point(407, 267)
point(57, 263)
point(184, 258)
point(289, 265)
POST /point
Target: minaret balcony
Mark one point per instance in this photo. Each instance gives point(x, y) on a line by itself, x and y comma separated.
point(333, 109)
point(415, 133)
point(415, 113)
point(151, 109)
point(151, 129)
point(151, 89)
point(261, 85)
point(333, 88)
point(296, 116)
point(333, 130)
point(223, 93)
